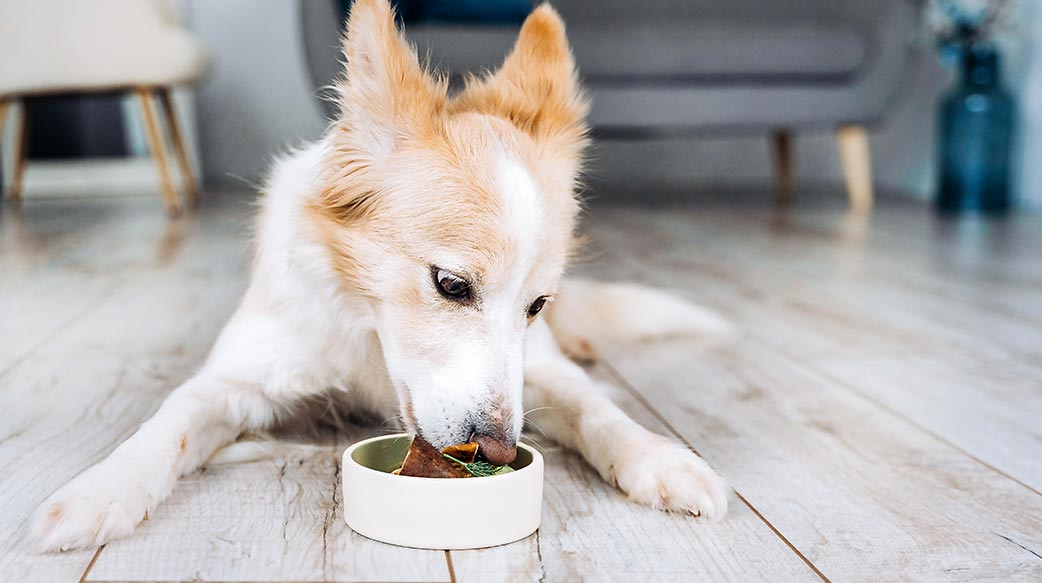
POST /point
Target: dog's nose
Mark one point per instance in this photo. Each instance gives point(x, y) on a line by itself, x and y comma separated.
point(498, 451)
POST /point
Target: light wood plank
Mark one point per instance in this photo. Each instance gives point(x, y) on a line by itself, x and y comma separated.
point(60, 260)
point(518, 562)
point(173, 314)
point(59, 415)
point(857, 490)
point(276, 520)
point(769, 270)
point(36, 309)
point(68, 405)
point(799, 296)
point(948, 288)
point(250, 522)
point(833, 416)
point(988, 411)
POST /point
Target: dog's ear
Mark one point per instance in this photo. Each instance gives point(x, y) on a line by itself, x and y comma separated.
point(537, 88)
point(385, 97)
point(385, 94)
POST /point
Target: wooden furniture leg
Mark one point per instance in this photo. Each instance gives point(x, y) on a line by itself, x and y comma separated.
point(784, 165)
point(157, 144)
point(857, 166)
point(21, 156)
point(5, 106)
point(177, 137)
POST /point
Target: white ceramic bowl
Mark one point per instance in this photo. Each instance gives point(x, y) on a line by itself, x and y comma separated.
point(438, 513)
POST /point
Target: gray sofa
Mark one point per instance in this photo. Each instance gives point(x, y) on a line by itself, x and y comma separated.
point(660, 67)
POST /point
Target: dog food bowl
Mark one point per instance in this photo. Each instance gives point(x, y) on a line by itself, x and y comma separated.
point(438, 513)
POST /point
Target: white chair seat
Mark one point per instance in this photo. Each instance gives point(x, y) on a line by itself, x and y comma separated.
point(57, 46)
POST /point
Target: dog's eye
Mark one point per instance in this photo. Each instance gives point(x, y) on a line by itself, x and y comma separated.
point(451, 286)
point(536, 306)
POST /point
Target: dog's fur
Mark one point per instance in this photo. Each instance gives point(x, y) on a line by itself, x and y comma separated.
point(409, 181)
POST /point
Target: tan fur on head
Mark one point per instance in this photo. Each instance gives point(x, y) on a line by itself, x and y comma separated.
point(401, 146)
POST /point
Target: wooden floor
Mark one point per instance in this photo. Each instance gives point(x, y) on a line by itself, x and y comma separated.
point(880, 416)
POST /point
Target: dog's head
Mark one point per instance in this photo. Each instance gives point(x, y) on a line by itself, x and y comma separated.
point(454, 215)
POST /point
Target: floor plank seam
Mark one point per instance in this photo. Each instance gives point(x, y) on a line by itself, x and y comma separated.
point(628, 387)
point(809, 368)
point(327, 521)
point(539, 556)
point(90, 565)
point(783, 538)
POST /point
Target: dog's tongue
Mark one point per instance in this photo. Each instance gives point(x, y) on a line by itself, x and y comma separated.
point(494, 450)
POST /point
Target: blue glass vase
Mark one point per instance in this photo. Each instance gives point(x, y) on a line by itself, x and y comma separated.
point(976, 132)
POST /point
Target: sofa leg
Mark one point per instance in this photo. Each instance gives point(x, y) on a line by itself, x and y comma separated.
point(21, 156)
point(857, 166)
point(784, 165)
point(157, 144)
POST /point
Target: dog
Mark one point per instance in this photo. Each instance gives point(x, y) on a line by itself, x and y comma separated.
point(411, 261)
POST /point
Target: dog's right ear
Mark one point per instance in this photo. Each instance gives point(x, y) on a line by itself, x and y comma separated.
point(385, 97)
point(385, 94)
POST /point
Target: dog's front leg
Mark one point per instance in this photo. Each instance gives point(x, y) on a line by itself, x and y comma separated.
point(568, 406)
point(109, 499)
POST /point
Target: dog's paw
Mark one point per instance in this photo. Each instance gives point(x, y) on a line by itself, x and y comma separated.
point(666, 475)
point(96, 507)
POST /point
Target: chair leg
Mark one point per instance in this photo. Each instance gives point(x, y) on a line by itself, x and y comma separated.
point(5, 106)
point(784, 165)
point(857, 166)
point(157, 145)
point(21, 157)
point(174, 127)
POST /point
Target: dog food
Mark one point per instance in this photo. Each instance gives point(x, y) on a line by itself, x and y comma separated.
point(455, 461)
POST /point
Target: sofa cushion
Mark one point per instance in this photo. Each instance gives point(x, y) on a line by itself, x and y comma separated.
point(667, 53)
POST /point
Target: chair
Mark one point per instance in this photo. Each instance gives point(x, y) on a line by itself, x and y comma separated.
point(52, 47)
point(664, 67)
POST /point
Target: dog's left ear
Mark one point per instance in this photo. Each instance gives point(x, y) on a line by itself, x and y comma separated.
point(537, 88)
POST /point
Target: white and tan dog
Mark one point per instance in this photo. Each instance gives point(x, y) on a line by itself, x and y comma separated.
point(410, 253)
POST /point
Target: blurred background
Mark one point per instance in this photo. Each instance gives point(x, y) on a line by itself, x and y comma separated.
point(695, 96)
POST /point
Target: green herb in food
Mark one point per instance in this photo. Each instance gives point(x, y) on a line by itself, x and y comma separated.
point(481, 469)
